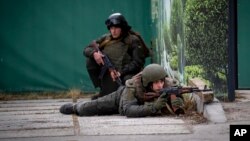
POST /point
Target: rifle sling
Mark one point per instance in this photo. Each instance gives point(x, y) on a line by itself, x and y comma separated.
point(108, 41)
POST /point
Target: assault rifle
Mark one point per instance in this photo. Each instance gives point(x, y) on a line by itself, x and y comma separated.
point(107, 65)
point(177, 91)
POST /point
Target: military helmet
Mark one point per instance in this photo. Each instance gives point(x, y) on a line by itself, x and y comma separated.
point(117, 19)
point(151, 73)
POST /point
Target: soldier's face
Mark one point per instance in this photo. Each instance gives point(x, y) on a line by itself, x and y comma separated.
point(157, 85)
point(115, 31)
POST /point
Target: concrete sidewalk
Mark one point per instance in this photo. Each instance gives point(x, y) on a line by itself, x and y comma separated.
point(40, 120)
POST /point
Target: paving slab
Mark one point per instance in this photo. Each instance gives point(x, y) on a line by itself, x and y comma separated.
point(41, 118)
point(36, 133)
point(237, 113)
point(120, 125)
point(34, 118)
point(45, 121)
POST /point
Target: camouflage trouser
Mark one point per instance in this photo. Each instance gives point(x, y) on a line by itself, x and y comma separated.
point(105, 105)
point(106, 84)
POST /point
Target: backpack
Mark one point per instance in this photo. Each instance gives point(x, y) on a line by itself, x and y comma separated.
point(144, 46)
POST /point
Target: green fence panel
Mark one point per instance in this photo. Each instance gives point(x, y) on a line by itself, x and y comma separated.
point(41, 41)
point(243, 44)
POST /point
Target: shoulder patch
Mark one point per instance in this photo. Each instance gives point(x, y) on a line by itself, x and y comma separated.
point(130, 83)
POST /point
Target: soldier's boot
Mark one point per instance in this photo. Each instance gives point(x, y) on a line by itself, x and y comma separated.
point(67, 109)
point(95, 96)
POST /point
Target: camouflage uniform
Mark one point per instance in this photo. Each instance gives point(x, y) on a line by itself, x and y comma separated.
point(125, 53)
point(135, 99)
point(128, 100)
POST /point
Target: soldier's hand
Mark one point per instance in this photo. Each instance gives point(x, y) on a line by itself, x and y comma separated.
point(114, 74)
point(177, 105)
point(98, 57)
point(178, 102)
point(160, 102)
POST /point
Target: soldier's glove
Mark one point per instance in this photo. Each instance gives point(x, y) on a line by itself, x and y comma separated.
point(178, 102)
point(160, 102)
point(177, 105)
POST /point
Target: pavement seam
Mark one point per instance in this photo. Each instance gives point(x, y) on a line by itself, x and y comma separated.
point(76, 125)
point(75, 119)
